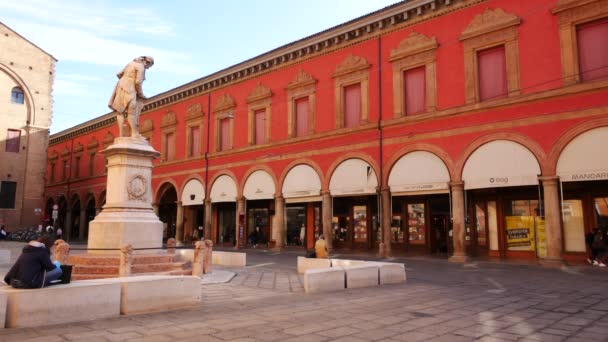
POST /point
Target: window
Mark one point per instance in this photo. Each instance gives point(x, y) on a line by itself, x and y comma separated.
point(195, 141)
point(415, 94)
point(301, 99)
point(91, 163)
point(65, 170)
point(583, 32)
point(260, 127)
point(76, 166)
point(13, 140)
point(351, 83)
point(352, 105)
point(225, 134)
point(414, 69)
point(17, 95)
point(593, 50)
point(301, 120)
point(491, 56)
point(170, 146)
point(52, 175)
point(7, 194)
point(492, 73)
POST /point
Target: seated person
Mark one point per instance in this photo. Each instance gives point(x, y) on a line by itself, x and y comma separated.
point(321, 247)
point(34, 268)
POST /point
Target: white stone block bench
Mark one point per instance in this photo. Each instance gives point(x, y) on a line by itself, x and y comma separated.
point(221, 258)
point(65, 303)
point(150, 293)
point(323, 275)
point(5, 256)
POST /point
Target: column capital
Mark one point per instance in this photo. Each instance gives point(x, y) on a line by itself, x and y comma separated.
point(385, 189)
point(457, 185)
point(279, 197)
point(548, 179)
point(207, 201)
point(178, 203)
point(240, 198)
point(325, 193)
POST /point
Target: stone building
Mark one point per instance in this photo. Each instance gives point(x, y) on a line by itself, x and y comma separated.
point(451, 127)
point(26, 82)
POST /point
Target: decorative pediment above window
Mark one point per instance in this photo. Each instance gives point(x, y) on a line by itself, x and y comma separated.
point(53, 155)
point(168, 119)
point(351, 64)
point(224, 102)
point(65, 152)
point(108, 139)
point(93, 143)
point(415, 43)
point(195, 111)
point(146, 126)
point(563, 5)
point(489, 21)
point(302, 79)
point(78, 148)
point(260, 92)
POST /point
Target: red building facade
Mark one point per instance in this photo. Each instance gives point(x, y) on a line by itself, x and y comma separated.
point(457, 127)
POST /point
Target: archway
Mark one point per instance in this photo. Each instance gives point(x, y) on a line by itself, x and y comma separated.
point(167, 210)
point(48, 212)
point(63, 209)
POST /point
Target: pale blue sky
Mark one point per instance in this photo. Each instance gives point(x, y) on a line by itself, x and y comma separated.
point(93, 40)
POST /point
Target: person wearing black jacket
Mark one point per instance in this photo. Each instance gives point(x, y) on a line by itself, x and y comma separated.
point(33, 268)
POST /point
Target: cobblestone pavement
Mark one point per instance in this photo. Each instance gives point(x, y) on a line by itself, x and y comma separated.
point(441, 301)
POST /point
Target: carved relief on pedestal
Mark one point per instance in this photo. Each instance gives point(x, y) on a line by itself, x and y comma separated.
point(137, 188)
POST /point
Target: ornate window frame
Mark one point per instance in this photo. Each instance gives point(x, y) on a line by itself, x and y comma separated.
point(304, 85)
point(146, 129)
point(353, 70)
point(66, 168)
point(194, 118)
point(570, 14)
point(168, 125)
point(490, 29)
point(259, 98)
point(78, 151)
point(52, 162)
point(223, 109)
point(92, 151)
point(417, 50)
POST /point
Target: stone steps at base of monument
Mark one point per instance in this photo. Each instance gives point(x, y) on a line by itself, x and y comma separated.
point(103, 276)
point(111, 270)
point(107, 260)
point(148, 268)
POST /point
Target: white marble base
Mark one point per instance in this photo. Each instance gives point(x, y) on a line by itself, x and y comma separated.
point(127, 217)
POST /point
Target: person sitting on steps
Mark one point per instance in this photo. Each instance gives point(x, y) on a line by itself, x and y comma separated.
point(34, 268)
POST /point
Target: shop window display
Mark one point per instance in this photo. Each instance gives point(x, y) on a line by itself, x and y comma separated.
point(525, 228)
point(574, 226)
point(601, 213)
point(296, 225)
point(416, 223)
point(360, 223)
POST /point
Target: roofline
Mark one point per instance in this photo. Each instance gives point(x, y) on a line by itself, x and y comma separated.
point(29, 41)
point(392, 17)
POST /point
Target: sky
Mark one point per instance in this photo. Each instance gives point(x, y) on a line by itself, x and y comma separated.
point(93, 40)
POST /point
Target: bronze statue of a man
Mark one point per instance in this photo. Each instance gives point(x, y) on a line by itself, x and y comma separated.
point(128, 96)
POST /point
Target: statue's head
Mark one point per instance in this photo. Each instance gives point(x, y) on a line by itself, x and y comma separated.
point(147, 60)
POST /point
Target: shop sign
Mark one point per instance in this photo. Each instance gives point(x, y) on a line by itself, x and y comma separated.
point(420, 187)
point(500, 181)
point(584, 176)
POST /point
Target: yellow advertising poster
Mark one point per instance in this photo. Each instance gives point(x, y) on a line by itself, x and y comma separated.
point(520, 233)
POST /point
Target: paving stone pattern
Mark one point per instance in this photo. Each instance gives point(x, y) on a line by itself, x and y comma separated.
point(441, 302)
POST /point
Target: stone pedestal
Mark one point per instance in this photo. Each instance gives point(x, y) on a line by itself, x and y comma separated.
point(127, 217)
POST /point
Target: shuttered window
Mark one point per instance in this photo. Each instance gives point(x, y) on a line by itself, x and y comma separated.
point(492, 73)
point(593, 50)
point(224, 134)
point(415, 94)
point(301, 117)
point(195, 141)
point(260, 127)
point(352, 105)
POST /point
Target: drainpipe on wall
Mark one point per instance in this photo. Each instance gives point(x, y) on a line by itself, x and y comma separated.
point(207, 215)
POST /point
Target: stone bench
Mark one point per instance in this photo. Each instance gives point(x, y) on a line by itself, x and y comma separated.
point(5, 256)
point(324, 280)
point(152, 293)
point(235, 259)
point(322, 275)
point(311, 263)
point(74, 302)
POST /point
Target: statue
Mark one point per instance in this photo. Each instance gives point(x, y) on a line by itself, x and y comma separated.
point(128, 96)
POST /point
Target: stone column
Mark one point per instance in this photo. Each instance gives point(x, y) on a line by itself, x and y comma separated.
point(458, 222)
point(207, 232)
point(553, 228)
point(83, 222)
point(240, 209)
point(279, 211)
point(208, 258)
point(67, 225)
point(155, 208)
point(386, 221)
point(126, 260)
point(179, 223)
point(327, 219)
